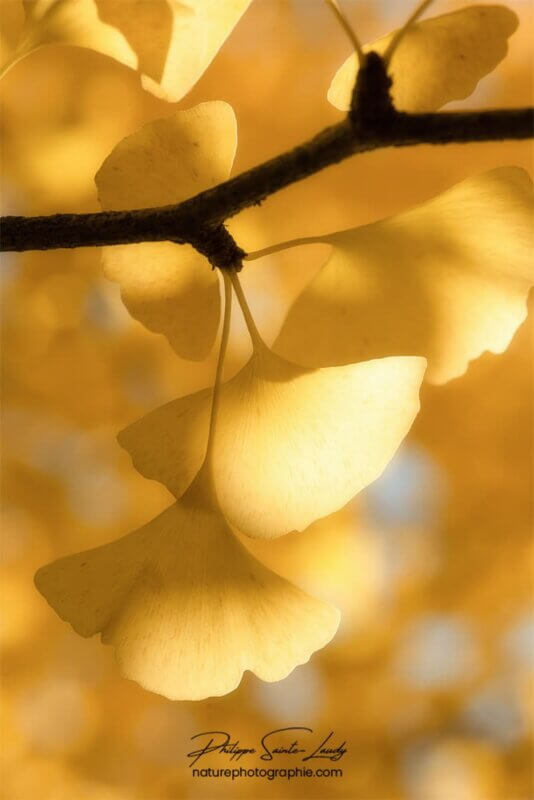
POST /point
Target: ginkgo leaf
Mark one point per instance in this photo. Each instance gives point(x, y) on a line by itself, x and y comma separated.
point(447, 280)
point(198, 30)
point(170, 42)
point(70, 22)
point(291, 444)
point(438, 60)
point(170, 288)
point(186, 607)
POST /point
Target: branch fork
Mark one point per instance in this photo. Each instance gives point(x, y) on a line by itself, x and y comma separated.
point(372, 123)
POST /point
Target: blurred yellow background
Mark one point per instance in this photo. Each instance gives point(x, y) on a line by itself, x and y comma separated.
point(429, 679)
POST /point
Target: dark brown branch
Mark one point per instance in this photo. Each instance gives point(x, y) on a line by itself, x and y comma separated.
point(371, 124)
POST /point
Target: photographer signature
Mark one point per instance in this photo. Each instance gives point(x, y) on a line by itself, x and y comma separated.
point(272, 744)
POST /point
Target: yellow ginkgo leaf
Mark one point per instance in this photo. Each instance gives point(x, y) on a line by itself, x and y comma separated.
point(197, 30)
point(291, 444)
point(70, 22)
point(186, 607)
point(170, 42)
point(446, 280)
point(437, 60)
point(170, 288)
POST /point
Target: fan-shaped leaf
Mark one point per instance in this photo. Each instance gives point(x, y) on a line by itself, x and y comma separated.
point(186, 607)
point(170, 42)
point(437, 60)
point(170, 288)
point(446, 280)
point(291, 444)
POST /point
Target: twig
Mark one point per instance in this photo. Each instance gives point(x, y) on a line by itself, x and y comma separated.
point(372, 123)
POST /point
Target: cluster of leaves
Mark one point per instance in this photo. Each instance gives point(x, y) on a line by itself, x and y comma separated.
point(303, 427)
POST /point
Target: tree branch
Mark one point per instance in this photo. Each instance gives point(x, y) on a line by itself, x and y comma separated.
point(371, 124)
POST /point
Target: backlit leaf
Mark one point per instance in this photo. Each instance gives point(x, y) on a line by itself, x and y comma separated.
point(71, 22)
point(446, 280)
point(437, 60)
point(186, 607)
point(170, 42)
point(170, 288)
point(291, 444)
point(198, 30)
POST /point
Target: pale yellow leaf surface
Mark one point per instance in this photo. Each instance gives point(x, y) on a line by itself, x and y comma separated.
point(438, 60)
point(170, 288)
point(169, 42)
point(70, 22)
point(291, 444)
point(446, 280)
point(186, 607)
point(198, 30)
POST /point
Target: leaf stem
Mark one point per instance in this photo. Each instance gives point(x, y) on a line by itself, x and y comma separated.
point(347, 27)
point(257, 341)
point(275, 248)
point(8, 65)
point(399, 35)
point(220, 364)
